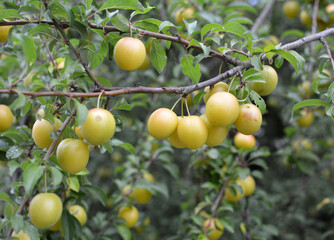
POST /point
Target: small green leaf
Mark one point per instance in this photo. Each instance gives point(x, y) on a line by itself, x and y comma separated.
point(289, 57)
point(14, 152)
point(257, 100)
point(158, 56)
point(59, 10)
point(68, 225)
point(123, 4)
point(165, 24)
point(189, 69)
point(9, 13)
point(213, 153)
point(19, 102)
point(190, 26)
point(82, 112)
point(256, 62)
point(5, 197)
point(73, 183)
point(212, 27)
point(121, 23)
point(146, 10)
point(29, 49)
point(308, 102)
point(235, 28)
point(96, 192)
point(124, 232)
point(31, 174)
point(57, 176)
point(240, 6)
point(198, 97)
point(129, 147)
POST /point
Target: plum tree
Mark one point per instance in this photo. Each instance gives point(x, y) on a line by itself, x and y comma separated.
point(72, 88)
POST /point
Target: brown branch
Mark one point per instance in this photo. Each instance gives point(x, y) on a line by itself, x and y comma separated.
point(176, 39)
point(227, 58)
point(69, 44)
point(131, 90)
point(262, 16)
point(305, 40)
point(51, 57)
point(324, 42)
point(217, 204)
point(60, 131)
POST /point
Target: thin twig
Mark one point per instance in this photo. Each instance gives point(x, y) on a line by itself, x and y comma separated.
point(324, 42)
point(20, 78)
point(60, 131)
point(262, 16)
point(217, 204)
point(51, 57)
point(76, 53)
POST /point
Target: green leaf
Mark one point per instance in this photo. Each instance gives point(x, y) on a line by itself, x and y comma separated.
point(235, 28)
point(289, 57)
point(9, 13)
point(122, 105)
point(29, 49)
point(42, 28)
point(212, 27)
point(68, 225)
point(124, 232)
point(57, 176)
point(198, 97)
point(19, 102)
point(123, 4)
point(293, 32)
point(279, 61)
point(213, 153)
point(308, 102)
point(190, 26)
point(165, 24)
point(300, 59)
point(82, 112)
point(258, 101)
point(241, 6)
point(129, 147)
point(189, 69)
point(146, 10)
point(260, 163)
point(14, 152)
point(121, 23)
point(31, 174)
point(73, 183)
point(5, 197)
point(96, 192)
point(256, 62)
point(58, 9)
point(158, 56)
point(88, 3)
point(227, 224)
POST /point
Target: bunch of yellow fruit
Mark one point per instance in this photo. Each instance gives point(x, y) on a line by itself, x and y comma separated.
point(73, 154)
point(222, 110)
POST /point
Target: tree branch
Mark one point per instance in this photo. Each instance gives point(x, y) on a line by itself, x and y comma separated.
point(262, 16)
point(324, 42)
point(69, 44)
point(131, 90)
